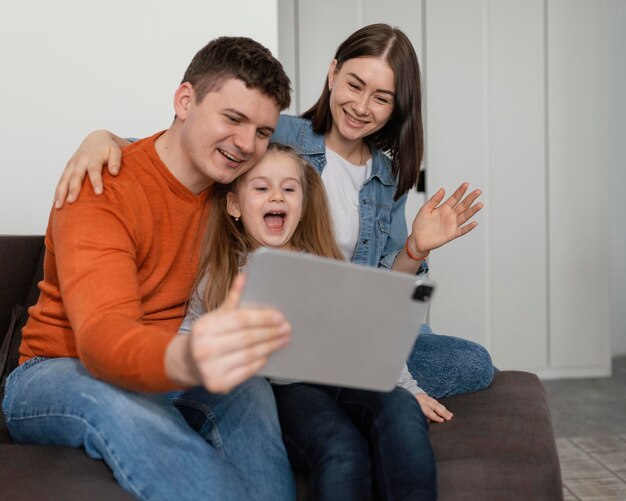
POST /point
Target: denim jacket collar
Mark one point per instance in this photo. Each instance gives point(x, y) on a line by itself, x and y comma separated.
point(311, 143)
point(381, 167)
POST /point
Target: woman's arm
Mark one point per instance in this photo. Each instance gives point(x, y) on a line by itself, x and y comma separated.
point(98, 149)
point(436, 224)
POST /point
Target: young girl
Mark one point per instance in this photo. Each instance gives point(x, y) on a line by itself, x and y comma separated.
point(343, 437)
point(365, 136)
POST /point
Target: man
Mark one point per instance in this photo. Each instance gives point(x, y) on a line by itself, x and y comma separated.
point(101, 364)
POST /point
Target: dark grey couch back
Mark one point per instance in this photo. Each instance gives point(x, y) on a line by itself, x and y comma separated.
point(20, 270)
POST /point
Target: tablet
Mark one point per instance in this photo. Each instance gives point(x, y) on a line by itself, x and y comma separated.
point(352, 325)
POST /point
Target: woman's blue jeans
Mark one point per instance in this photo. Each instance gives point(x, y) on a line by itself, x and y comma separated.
point(351, 440)
point(444, 366)
point(183, 445)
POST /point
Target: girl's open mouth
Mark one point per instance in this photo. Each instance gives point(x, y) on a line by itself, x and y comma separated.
point(275, 220)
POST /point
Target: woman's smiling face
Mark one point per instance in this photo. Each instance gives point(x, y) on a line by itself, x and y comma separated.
point(268, 199)
point(361, 98)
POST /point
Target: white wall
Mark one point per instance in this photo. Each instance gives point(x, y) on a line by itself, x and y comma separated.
point(73, 66)
point(518, 87)
point(616, 33)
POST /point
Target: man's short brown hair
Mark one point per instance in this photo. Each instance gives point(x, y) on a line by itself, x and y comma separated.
point(241, 58)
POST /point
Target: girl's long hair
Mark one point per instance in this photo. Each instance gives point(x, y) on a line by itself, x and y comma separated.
point(227, 244)
point(402, 137)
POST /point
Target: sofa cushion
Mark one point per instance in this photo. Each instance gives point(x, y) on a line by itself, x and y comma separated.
point(55, 473)
point(500, 443)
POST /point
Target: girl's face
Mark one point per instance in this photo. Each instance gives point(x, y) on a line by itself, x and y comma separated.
point(269, 199)
point(361, 98)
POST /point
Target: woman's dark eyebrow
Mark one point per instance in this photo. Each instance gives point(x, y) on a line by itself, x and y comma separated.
point(362, 82)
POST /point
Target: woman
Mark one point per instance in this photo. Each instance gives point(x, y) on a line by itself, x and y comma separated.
point(365, 136)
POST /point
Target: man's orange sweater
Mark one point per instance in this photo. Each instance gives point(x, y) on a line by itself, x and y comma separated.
point(118, 271)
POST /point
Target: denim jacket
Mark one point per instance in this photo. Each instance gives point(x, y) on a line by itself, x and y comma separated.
point(383, 230)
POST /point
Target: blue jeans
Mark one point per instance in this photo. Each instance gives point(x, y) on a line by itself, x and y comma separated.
point(182, 445)
point(350, 440)
point(444, 366)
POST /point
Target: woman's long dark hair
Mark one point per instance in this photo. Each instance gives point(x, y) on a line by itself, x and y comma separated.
point(402, 137)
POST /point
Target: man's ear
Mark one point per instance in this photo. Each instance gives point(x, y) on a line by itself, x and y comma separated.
point(232, 206)
point(182, 99)
point(331, 74)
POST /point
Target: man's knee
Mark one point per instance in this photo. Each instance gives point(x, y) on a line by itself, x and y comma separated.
point(258, 395)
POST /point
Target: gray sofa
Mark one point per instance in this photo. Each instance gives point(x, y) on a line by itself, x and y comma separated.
point(500, 444)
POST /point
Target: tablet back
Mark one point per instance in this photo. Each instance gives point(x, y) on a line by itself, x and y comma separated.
point(351, 325)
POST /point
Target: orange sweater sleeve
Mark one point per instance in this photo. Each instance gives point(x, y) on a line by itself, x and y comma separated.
point(99, 285)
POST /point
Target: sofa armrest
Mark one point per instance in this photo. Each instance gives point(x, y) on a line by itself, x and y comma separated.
point(19, 270)
point(500, 443)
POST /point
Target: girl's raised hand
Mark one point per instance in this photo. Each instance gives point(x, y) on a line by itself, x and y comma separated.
point(98, 149)
point(438, 223)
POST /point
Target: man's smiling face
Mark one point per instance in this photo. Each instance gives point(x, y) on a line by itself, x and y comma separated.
point(225, 134)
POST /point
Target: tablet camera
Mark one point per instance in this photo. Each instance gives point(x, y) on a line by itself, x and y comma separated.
point(422, 293)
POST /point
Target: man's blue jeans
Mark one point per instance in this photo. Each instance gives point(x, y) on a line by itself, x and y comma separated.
point(183, 445)
point(351, 440)
point(444, 366)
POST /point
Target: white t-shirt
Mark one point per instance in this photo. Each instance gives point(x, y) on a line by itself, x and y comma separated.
point(343, 182)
